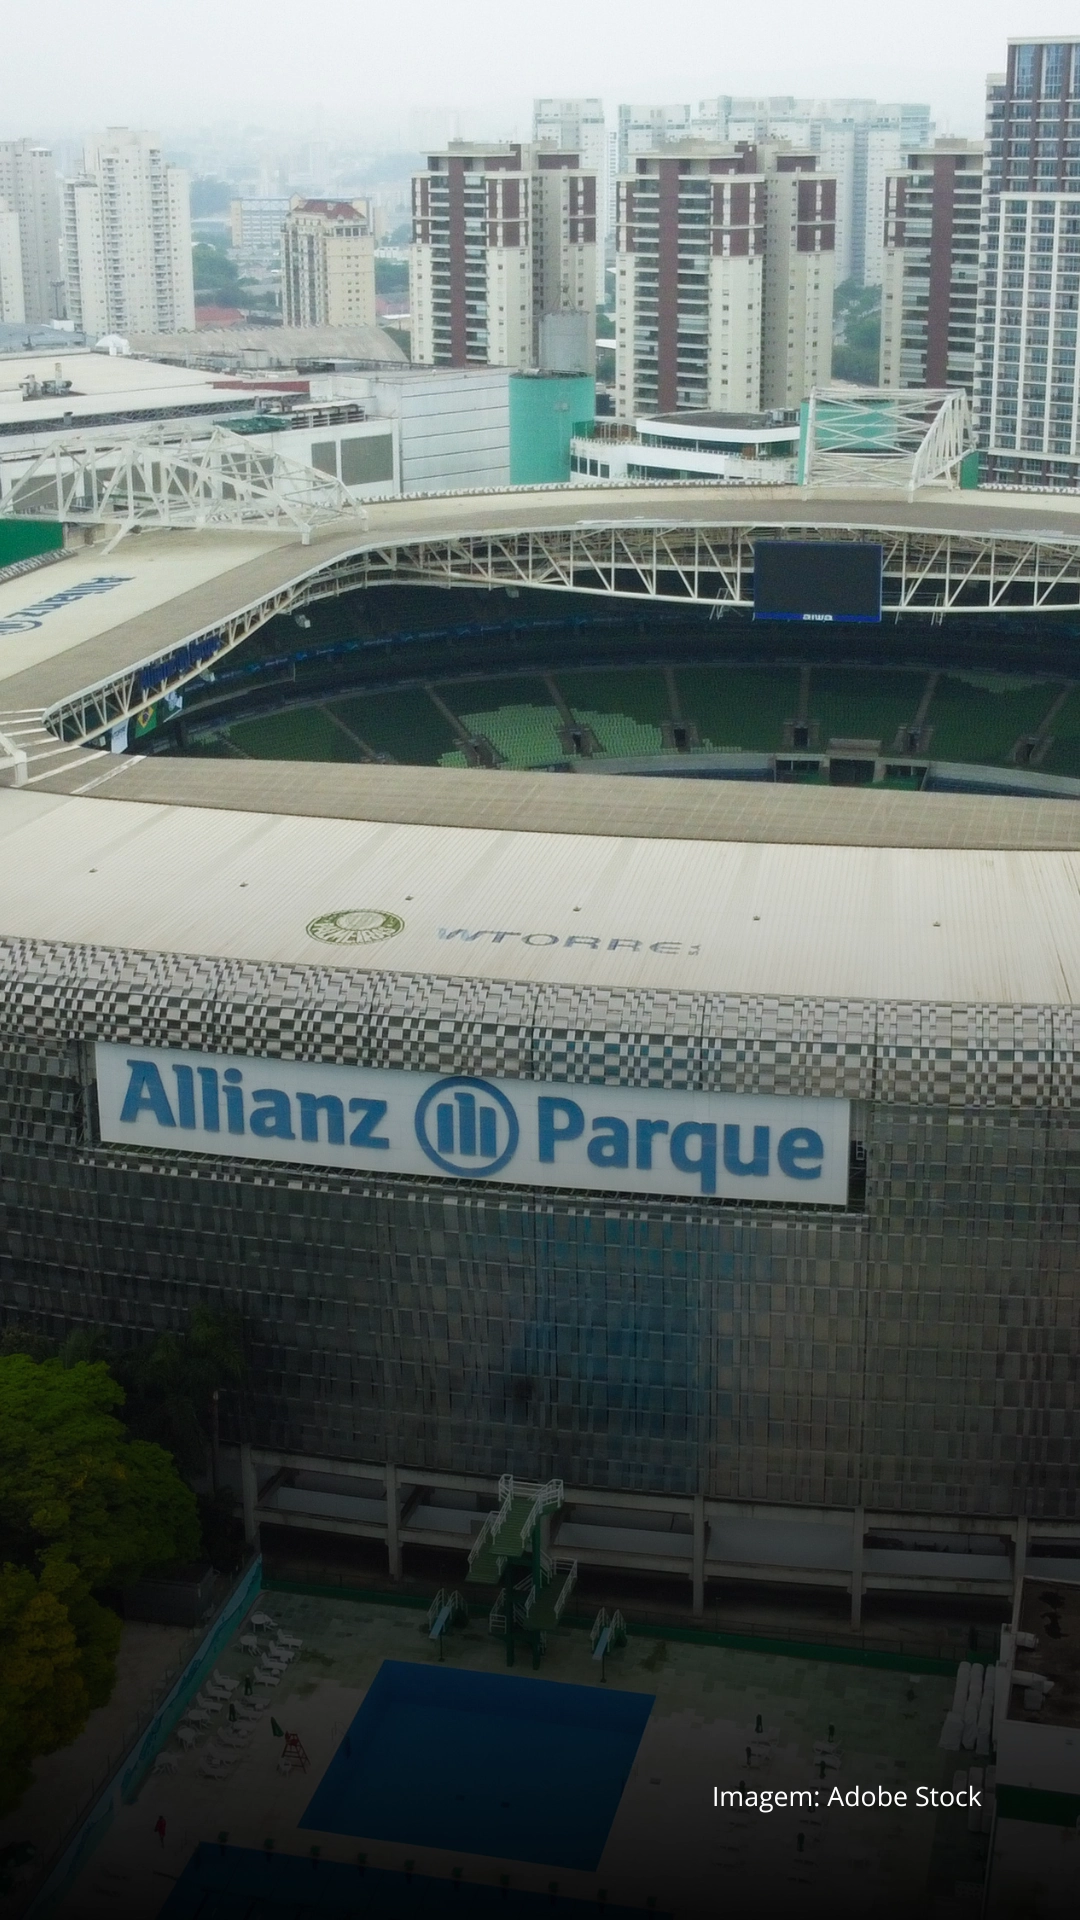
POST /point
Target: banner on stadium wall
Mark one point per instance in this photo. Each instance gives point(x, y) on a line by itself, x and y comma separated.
point(462, 1127)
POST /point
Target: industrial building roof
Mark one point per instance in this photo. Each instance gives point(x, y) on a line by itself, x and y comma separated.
point(101, 384)
point(273, 346)
point(872, 923)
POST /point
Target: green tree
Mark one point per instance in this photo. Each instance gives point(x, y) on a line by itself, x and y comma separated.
point(76, 1486)
point(83, 1507)
point(210, 195)
point(171, 1382)
point(857, 320)
point(214, 271)
point(391, 276)
point(44, 1699)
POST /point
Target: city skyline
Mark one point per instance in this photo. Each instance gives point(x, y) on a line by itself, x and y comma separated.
point(483, 84)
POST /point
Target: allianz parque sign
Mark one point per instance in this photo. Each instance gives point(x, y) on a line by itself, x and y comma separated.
point(528, 1133)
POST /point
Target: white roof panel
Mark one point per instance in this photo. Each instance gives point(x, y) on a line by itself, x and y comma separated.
point(847, 922)
point(100, 383)
point(43, 613)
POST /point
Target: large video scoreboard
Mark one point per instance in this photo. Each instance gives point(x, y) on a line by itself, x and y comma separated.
point(827, 580)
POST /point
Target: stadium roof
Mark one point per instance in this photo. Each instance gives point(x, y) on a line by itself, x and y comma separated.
point(593, 804)
point(50, 648)
point(678, 914)
point(666, 883)
point(179, 584)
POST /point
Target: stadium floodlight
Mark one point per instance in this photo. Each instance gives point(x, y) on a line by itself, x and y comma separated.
point(193, 479)
point(891, 437)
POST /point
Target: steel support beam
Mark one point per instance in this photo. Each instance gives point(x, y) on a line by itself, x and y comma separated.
point(928, 574)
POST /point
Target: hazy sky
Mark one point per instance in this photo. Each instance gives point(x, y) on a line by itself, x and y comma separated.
point(394, 72)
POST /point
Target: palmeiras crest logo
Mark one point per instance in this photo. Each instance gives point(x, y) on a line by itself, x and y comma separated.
point(355, 926)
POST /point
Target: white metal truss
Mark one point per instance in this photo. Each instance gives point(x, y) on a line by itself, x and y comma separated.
point(208, 478)
point(924, 572)
point(891, 437)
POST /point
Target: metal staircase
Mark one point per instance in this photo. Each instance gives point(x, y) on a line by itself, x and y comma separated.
point(509, 1553)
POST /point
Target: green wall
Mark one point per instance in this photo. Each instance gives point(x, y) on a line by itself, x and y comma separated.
point(25, 539)
point(545, 410)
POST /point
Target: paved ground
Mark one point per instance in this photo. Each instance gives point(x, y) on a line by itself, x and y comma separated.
point(667, 1840)
point(63, 1781)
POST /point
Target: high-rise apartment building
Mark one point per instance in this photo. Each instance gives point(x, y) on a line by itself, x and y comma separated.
point(1027, 375)
point(578, 126)
point(256, 223)
point(858, 142)
point(724, 279)
point(327, 264)
point(800, 243)
point(502, 235)
point(931, 275)
point(127, 238)
point(29, 186)
point(12, 302)
point(647, 129)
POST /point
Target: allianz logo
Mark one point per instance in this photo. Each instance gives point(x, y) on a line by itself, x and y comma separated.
point(464, 1125)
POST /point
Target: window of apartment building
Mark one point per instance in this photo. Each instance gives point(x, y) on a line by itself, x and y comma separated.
point(1024, 73)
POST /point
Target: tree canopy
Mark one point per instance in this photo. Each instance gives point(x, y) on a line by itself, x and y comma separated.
point(170, 1382)
point(213, 270)
point(76, 1486)
point(83, 1507)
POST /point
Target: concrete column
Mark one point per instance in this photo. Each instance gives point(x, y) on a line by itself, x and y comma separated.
point(858, 1528)
point(249, 1489)
point(393, 1542)
point(1019, 1566)
point(699, 1554)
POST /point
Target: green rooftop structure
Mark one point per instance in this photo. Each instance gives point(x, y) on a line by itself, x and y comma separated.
point(509, 1553)
point(22, 540)
point(546, 410)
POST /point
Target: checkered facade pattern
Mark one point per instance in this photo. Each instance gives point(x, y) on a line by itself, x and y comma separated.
point(915, 1351)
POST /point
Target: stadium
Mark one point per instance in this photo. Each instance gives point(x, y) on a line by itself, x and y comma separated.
point(703, 1140)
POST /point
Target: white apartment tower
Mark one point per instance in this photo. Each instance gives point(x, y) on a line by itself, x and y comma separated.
point(858, 142)
point(577, 126)
point(12, 302)
point(502, 235)
point(31, 191)
point(800, 239)
point(328, 264)
point(1027, 366)
point(931, 273)
point(724, 279)
point(256, 225)
point(127, 239)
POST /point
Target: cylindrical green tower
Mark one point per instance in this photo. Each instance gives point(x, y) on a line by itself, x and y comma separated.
point(545, 410)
